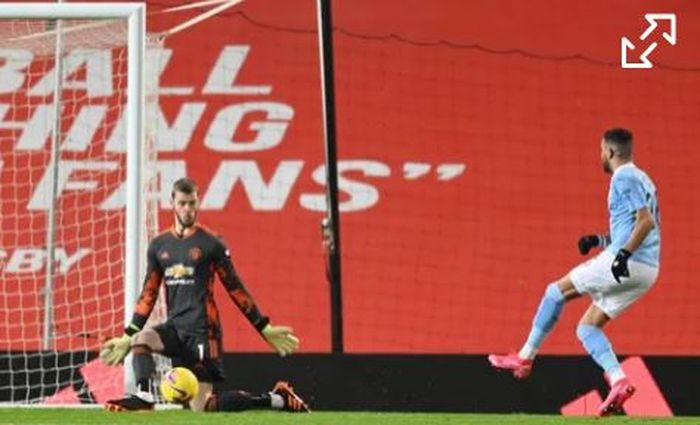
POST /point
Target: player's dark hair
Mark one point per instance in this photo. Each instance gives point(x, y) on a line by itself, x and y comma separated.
point(184, 185)
point(620, 139)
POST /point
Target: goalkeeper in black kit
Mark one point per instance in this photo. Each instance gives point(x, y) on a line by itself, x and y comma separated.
point(186, 258)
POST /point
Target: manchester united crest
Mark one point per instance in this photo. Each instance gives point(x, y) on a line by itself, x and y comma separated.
point(195, 253)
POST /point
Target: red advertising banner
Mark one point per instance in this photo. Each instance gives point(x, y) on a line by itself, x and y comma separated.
point(469, 167)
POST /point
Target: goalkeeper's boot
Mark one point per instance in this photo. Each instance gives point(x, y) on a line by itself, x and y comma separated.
point(618, 395)
point(520, 368)
point(292, 401)
point(142, 400)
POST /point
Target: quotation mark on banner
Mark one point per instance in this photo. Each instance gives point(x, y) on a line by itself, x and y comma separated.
point(415, 170)
point(626, 46)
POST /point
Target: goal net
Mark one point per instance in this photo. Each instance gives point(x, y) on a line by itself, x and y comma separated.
point(64, 198)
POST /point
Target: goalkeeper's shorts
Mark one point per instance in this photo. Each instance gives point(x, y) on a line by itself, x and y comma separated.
point(192, 350)
point(594, 277)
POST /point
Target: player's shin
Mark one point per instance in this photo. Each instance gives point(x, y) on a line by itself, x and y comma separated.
point(236, 401)
point(546, 317)
point(144, 367)
point(598, 346)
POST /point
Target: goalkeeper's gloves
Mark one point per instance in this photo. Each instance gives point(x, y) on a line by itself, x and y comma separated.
point(114, 350)
point(619, 266)
point(591, 241)
point(281, 339)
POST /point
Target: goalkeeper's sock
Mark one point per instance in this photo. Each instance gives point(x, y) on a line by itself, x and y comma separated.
point(237, 400)
point(599, 347)
point(276, 401)
point(144, 367)
point(547, 315)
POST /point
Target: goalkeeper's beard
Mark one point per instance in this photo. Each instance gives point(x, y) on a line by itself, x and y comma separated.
point(183, 224)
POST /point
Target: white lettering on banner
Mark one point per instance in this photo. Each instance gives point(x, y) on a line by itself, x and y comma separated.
point(167, 172)
point(362, 195)
point(9, 125)
point(262, 196)
point(26, 260)
point(32, 260)
point(176, 137)
point(41, 198)
point(271, 195)
point(65, 261)
point(161, 58)
point(270, 133)
point(37, 130)
point(222, 79)
point(98, 74)
point(98, 81)
point(14, 63)
point(117, 140)
point(88, 121)
point(171, 137)
point(231, 128)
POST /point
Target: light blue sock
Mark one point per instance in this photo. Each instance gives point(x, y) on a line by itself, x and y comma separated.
point(599, 347)
point(547, 315)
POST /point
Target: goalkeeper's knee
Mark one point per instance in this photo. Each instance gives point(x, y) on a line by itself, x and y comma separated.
point(141, 348)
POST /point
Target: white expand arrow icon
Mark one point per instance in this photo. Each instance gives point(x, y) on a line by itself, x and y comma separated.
point(652, 19)
point(645, 63)
point(626, 45)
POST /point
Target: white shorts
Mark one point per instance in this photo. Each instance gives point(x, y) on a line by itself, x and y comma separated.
point(595, 278)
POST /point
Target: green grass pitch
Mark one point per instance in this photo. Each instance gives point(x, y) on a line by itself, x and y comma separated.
point(91, 416)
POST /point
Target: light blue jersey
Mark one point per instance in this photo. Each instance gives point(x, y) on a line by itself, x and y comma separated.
point(630, 190)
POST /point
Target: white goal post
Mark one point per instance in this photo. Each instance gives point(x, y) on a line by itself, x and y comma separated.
point(135, 14)
point(35, 38)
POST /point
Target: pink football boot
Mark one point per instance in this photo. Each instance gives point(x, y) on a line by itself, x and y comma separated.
point(521, 368)
point(618, 395)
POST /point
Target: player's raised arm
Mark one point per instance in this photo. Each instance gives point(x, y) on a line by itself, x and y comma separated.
point(280, 338)
point(149, 293)
point(115, 350)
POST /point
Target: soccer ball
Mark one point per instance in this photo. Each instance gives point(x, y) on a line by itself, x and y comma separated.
point(179, 385)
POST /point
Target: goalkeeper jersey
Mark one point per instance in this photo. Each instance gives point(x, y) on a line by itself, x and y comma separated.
point(188, 266)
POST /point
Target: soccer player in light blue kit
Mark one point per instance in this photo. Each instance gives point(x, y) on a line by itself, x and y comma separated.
point(614, 279)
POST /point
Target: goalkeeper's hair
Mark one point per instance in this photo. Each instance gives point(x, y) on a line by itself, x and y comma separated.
point(184, 185)
point(620, 139)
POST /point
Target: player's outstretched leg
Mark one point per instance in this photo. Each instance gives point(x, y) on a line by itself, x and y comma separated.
point(546, 317)
point(281, 397)
point(237, 401)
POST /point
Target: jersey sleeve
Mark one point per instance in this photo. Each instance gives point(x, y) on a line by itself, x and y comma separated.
point(631, 192)
point(149, 293)
point(235, 287)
